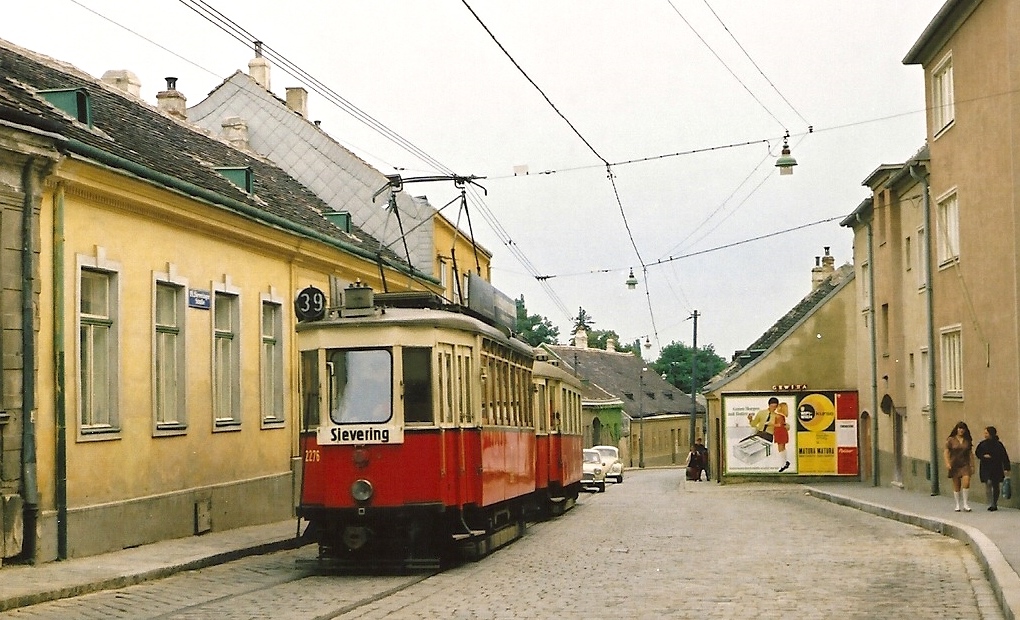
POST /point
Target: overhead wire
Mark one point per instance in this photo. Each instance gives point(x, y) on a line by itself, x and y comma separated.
point(748, 56)
point(242, 35)
point(726, 66)
point(608, 165)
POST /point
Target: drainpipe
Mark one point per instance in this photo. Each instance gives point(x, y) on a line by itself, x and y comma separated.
point(29, 482)
point(59, 405)
point(874, 353)
point(932, 422)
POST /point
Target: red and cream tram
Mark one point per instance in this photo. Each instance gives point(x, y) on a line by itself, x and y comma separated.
point(427, 433)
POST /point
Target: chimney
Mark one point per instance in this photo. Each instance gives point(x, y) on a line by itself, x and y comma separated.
point(610, 344)
point(124, 80)
point(235, 131)
point(824, 267)
point(258, 67)
point(581, 339)
point(172, 101)
point(297, 100)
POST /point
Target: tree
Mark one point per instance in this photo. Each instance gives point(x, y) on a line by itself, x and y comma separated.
point(675, 363)
point(583, 320)
point(534, 329)
point(599, 339)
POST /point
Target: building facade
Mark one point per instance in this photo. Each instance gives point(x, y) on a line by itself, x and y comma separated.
point(154, 353)
point(894, 326)
point(807, 358)
point(971, 64)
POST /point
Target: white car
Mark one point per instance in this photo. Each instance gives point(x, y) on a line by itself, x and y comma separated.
point(593, 475)
point(611, 461)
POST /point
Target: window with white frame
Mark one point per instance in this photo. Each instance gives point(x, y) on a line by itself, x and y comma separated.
point(922, 379)
point(865, 287)
point(226, 359)
point(271, 363)
point(948, 228)
point(922, 260)
point(952, 362)
point(943, 102)
point(444, 278)
point(98, 353)
point(168, 368)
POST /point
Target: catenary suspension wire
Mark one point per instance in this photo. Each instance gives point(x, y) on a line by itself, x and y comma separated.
point(727, 67)
point(249, 40)
point(748, 56)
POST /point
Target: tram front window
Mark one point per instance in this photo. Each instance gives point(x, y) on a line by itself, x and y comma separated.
point(361, 386)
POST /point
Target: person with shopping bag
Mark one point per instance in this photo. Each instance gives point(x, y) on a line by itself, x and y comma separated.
point(993, 465)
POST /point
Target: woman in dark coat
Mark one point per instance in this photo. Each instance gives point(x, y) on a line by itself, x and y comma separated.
point(993, 464)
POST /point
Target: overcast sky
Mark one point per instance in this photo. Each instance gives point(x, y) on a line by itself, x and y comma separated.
point(672, 82)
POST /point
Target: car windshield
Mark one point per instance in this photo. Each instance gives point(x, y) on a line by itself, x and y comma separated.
point(609, 453)
point(591, 456)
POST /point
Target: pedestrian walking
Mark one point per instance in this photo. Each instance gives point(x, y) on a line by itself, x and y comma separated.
point(959, 457)
point(993, 465)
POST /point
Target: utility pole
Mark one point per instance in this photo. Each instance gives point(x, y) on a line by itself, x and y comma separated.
point(694, 380)
point(641, 419)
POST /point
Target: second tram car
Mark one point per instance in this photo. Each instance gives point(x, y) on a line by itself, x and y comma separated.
point(428, 433)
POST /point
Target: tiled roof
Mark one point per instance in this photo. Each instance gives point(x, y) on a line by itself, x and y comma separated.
point(338, 176)
point(781, 328)
point(131, 130)
point(619, 374)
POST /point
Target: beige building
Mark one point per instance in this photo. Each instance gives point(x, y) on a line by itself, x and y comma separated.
point(807, 355)
point(971, 63)
point(627, 404)
point(893, 324)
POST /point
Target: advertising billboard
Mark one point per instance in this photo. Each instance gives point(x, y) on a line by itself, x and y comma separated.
point(791, 433)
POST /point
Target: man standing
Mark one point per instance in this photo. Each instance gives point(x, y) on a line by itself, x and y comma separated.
point(764, 422)
point(703, 451)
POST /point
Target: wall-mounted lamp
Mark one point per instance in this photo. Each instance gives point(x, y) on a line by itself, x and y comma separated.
point(631, 280)
point(786, 162)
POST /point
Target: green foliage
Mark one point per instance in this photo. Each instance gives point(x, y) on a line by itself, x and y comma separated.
point(675, 362)
point(599, 339)
point(534, 329)
point(583, 320)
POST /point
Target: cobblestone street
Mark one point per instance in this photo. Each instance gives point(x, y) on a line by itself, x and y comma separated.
point(653, 547)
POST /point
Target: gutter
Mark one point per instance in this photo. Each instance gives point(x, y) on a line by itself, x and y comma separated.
point(29, 472)
point(201, 193)
point(930, 310)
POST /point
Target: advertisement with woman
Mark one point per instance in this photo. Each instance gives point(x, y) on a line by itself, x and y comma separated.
point(798, 433)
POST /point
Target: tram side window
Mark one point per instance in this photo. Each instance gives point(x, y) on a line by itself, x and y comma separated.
point(309, 390)
point(417, 385)
point(361, 385)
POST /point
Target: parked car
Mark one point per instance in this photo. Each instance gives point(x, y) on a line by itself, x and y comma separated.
point(611, 461)
point(593, 474)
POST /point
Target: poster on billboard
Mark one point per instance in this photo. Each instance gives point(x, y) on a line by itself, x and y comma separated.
point(792, 433)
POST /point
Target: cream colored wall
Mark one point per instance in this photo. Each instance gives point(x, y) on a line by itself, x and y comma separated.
point(143, 228)
point(821, 353)
point(978, 156)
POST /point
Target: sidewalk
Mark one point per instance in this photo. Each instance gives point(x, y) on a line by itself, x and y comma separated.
point(994, 537)
point(28, 585)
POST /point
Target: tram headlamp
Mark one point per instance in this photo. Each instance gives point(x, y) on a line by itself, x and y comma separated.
point(362, 490)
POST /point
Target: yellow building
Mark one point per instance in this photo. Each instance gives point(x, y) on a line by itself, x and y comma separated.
point(164, 266)
point(807, 361)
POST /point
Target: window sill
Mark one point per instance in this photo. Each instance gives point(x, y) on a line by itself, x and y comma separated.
point(945, 128)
